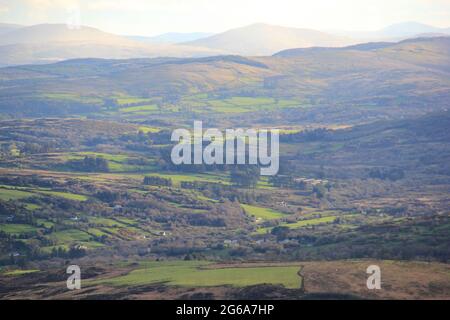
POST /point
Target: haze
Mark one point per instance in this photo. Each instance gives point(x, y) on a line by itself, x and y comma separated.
point(134, 17)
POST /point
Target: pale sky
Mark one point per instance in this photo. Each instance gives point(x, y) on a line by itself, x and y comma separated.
point(151, 17)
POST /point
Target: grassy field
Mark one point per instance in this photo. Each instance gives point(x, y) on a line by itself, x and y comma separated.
point(70, 235)
point(17, 193)
point(105, 222)
point(311, 222)
point(12, 194)
point(178, 178)
point(301, 224)
point(19, 272)
point(67, 238)
point(237, 104)
point(194, 274)
point(65, 195)
point(116, 162)
point(32, 206)
point(145, 108)
point(145, 129)
point(72, 97)
point(16, 229)
point(131, 100)
point(262, 213)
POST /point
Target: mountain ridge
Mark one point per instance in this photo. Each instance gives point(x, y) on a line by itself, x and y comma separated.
point(264, 39)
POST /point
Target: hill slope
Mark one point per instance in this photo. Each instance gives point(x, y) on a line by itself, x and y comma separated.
point(409, 77)
point(264, 39)
point(55, 42)
point(45, 33)
point(7, 27)
point(172, 37)
point(397, 32)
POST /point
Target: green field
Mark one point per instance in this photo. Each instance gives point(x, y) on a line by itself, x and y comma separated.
point(178, 178)
point(145, 108)
point(32, 206)
point(105, 222)
point(16, 273)
point(116, 162)
point(194, 274)
point(74, 236)
point(131, 100)
point(311, 222)
point(300, 224)
point(72, 97)
point(17, 193)
point(262, 213)
point(65, 195)
point(12, 194)
point(81, 155)
point(70, 235)
point(237, 104)
point(145, 129)
point(16, 229)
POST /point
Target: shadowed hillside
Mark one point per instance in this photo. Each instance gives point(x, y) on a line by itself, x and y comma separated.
point(410, 77)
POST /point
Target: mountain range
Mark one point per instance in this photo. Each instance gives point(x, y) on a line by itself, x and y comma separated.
point(399, 31)
point(46, 43)
point(172, 37)
point(408, 77)
point(263, 39)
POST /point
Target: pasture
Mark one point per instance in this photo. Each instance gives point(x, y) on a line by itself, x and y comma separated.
point(204, 274)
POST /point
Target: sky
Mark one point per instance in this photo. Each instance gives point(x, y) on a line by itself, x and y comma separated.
point(151, 17)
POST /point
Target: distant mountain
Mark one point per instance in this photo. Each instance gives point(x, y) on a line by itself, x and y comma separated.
point(45, 33)
point(407, 78)
point(46, 43)
point(408, 29)
point(7, 27)
point(55, 42)
point(172, 37)
point(397, 32)
point(263, 39)
point(439, 45)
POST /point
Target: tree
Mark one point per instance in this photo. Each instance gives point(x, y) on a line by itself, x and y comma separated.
point(245, 175)
point(157, 181)
point(319, 191)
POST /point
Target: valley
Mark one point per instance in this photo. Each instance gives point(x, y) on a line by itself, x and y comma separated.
point(86, 176)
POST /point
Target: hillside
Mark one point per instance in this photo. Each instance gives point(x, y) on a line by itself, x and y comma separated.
point(56, 42)
point(47, 43)
point(7, 27)
point(45, 33)
point(263, 39)
point(397, 32)
point(172, 37)
point(411, 76)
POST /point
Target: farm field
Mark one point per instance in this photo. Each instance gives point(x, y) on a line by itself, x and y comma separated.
point(17, 229)
point(300, 224)
point(12, 193)
point(178, 178)
point(262, 213)
point(237, 104)
point(204, 274)
point(341, 279)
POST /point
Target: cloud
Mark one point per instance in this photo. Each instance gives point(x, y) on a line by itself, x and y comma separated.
point(4, 7)
point(158, 16)
point(139, 5)
point(46, 4)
